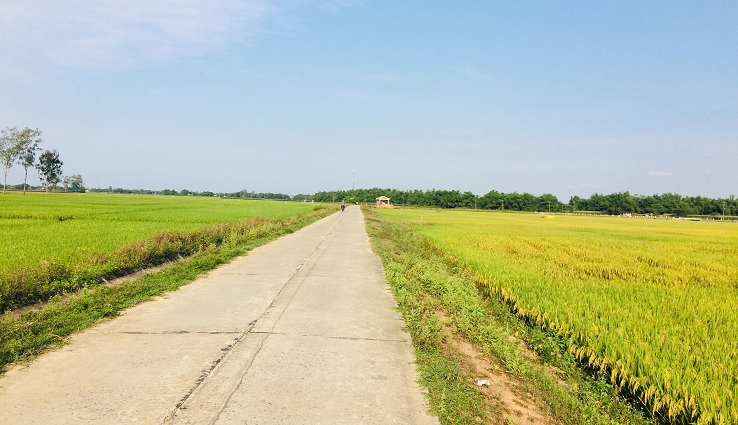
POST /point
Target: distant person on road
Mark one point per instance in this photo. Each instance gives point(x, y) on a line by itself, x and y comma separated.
point(343, 205)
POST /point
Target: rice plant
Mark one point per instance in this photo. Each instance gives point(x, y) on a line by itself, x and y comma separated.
point(654, 303)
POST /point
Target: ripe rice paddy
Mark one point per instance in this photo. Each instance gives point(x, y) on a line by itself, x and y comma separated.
point(654, 303)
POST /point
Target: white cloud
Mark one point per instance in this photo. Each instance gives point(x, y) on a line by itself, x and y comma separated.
point(106, 33)
point(659, 174)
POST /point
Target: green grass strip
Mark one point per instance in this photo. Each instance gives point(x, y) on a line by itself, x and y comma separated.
point(451, 398)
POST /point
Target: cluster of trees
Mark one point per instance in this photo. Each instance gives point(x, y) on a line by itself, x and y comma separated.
point(110, 189)
point(70, 184)
point(667, 203)
point(245, 194)
point(21, 147)
point(615, 204)
point(73, 183)
point(449, 199)
point(257, 195)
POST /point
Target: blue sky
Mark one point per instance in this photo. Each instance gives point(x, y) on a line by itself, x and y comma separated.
point(296, 96)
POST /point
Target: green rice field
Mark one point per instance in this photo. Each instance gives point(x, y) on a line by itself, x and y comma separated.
point(653, 303)
point(61, 227)
point(56, 243)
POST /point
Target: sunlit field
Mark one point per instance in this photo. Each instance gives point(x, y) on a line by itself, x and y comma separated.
point(61, 227)
point(654, 303)
point(59, 250)
point(54, 244)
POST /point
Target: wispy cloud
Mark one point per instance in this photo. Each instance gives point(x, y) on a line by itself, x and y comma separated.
point(659, 174)
point(93, 34)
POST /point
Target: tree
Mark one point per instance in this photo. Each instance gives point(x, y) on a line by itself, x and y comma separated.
point(27, 142)
point(74, 183)
point(548, 202)
point(49, 168)
point(491, 201)
point(574, 201)
point(8, 151)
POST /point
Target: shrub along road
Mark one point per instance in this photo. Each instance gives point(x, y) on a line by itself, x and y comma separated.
point(299, 331)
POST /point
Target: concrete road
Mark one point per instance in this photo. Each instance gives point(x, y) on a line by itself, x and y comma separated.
point(300, 331)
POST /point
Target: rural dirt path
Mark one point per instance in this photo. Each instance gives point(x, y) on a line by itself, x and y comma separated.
point(300, 331)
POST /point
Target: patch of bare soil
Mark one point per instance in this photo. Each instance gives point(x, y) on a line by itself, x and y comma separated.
point(504, 393)
point(532, 357)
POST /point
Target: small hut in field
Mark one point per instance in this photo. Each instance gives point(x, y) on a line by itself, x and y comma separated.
point(383, 202)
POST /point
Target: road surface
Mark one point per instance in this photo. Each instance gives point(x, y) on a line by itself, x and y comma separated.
point(300, 331)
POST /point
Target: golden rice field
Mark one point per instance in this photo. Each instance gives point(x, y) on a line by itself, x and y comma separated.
point(654, 303)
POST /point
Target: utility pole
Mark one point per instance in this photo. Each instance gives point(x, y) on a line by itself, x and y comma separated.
point(353, 180)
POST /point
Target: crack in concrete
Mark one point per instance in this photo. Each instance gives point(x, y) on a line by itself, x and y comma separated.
point(175, 332)
point(330, 236)
point(205, 373)
point(347, 338)
point(229, 348)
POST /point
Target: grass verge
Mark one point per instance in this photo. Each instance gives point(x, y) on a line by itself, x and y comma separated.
point(31, 333)
point(440, 303)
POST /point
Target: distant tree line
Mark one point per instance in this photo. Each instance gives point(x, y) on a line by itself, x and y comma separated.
point(22, 147)
point(110, 189)
point(614, 204)
point(244, 194)
point(257, 195)
point(667, 203)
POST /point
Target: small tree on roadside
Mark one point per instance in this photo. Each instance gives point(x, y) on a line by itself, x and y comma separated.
point(27, 142)
point(49, 168)
point(8, 151)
